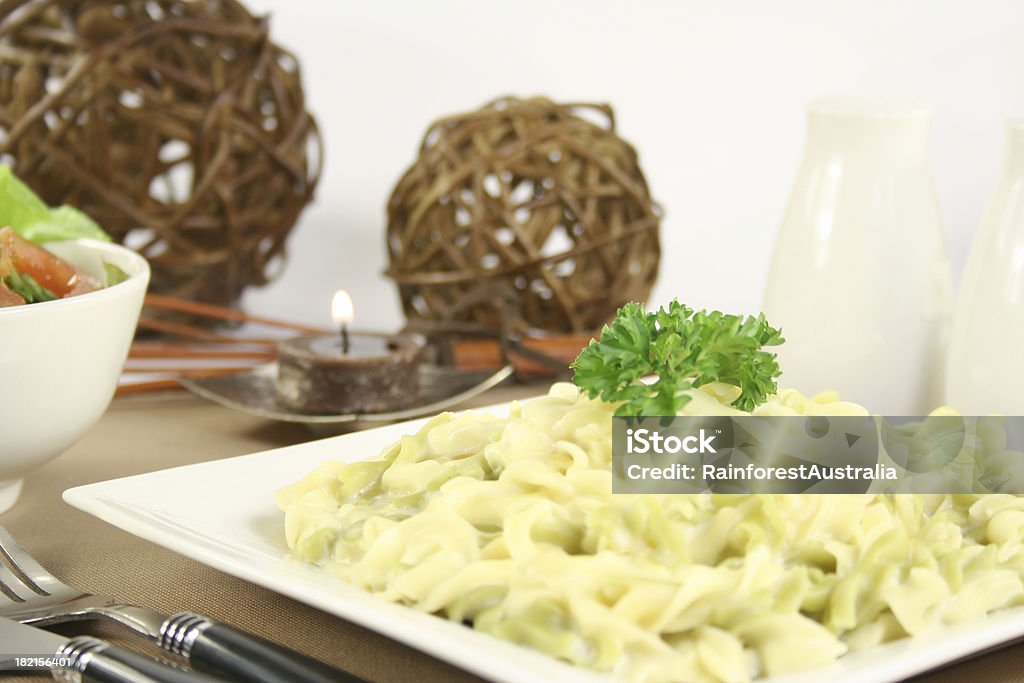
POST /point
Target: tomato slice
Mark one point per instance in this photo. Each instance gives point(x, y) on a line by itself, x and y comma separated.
point(53, 273)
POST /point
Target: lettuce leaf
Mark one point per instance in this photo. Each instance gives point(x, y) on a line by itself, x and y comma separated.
point(25, 286)
point(64, 223)
point(30, 217)
point(114, 274)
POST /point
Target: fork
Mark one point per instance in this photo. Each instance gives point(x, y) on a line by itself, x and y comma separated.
point(31, 595)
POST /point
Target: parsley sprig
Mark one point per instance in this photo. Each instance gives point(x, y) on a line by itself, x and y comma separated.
point(684, 350)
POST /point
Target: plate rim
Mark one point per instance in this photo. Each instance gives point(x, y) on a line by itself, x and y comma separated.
point(197, 387)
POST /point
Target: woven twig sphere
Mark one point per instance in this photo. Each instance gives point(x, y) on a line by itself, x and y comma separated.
point(525, 215)
point(177, 124)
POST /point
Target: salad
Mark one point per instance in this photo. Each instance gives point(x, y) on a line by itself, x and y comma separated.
point(28, 272)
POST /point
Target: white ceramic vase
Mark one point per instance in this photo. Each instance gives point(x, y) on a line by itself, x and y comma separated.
point(859, 281)
point(986, 361)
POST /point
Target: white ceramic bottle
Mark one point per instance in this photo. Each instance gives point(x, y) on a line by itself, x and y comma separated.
point(859, 281)
point(986, 358)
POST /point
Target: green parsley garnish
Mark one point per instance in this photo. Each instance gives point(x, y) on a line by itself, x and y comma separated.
point(683, 350)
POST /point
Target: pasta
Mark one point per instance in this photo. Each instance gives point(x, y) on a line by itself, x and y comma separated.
point(509, 525)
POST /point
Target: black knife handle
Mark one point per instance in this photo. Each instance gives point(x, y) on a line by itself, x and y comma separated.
point(225, 651)
point(93, 660)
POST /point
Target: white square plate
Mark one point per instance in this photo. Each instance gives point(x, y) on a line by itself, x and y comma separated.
point(222, 513)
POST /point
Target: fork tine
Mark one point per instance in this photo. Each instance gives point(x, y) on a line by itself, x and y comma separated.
point(8, 582)
point(31, 573)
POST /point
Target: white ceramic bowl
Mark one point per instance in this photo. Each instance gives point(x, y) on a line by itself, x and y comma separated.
point(60, 361)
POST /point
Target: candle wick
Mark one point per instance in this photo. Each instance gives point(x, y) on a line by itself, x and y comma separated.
point(344, 338)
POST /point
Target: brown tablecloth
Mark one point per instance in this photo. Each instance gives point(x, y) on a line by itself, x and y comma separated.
point(146, 433)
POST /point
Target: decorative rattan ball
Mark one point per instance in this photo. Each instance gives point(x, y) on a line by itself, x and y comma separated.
point(177, 124)
point(525, 215)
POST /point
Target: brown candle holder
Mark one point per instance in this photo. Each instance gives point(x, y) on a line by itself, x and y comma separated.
point(315, 377)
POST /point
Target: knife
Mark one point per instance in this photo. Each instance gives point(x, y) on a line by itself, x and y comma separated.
point(223, 650)
point(83, 658)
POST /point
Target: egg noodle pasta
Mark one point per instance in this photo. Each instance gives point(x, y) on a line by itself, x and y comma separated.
point(509, 525)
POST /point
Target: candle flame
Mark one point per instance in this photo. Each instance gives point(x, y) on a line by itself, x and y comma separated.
point(342, 309)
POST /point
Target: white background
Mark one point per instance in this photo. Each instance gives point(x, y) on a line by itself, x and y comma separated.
point(712, 94)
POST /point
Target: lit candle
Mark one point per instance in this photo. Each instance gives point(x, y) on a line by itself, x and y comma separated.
point(361, 372)
point(343, 311)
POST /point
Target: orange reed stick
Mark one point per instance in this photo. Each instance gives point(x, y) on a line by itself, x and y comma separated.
point(142, 387)
point(194, 332)
point(168, 350)
point(220, 313)
point(189, 372)
point(481, 354)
